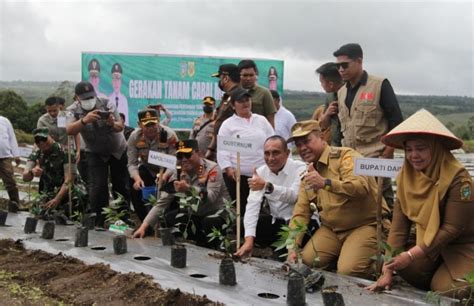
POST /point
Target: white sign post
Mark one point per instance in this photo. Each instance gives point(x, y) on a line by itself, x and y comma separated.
point(164, 161)
point(380, 168)
point(241, 146)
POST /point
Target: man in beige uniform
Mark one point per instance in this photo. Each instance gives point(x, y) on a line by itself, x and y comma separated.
point(203, 126)
point(346, 204)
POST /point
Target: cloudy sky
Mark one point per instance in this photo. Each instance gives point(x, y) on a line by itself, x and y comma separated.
point(422, 47)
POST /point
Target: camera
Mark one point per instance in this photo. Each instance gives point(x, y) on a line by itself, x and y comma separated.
point(104, 115)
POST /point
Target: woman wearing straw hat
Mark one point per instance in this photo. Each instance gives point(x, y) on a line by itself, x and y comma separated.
point(434, 193)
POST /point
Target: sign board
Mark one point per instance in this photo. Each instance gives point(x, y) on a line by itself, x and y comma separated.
point(25, 151)
point(162, 160)
point(132, 81)
point(242, 145)
point(379, 167)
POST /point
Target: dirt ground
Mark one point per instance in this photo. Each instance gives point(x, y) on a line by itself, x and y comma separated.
point(33, 277)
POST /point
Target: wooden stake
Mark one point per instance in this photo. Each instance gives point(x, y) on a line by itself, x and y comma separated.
point(237, 186)
point(379, 225)
point(69, 162)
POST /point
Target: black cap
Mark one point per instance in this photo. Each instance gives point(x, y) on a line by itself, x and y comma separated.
point(84, 90)
point(116, 68)
point(227, 69)
point(275, 94)
point(352, 51)
point(148, 116)
point(238, 94)
point(94, 65)
point(186, 146)
point(209, 100)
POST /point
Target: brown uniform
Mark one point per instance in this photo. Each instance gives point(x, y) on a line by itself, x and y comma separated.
point(347, 210)
point(451, 253)
point(203, 131)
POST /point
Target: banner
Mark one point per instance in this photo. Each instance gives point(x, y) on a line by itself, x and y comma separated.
point(132, 81)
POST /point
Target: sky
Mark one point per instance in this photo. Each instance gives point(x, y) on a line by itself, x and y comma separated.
point(422, 47)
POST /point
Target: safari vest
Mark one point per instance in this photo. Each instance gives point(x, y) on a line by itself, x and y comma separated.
point(365, 124)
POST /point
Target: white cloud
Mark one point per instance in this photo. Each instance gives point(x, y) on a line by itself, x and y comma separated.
point(422, 47)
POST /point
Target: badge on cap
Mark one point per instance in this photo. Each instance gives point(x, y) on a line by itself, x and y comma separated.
point(465, 191)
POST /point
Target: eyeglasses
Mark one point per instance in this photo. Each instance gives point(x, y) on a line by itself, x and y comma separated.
point(343, 65)
point(39, 139)
point(181, 155)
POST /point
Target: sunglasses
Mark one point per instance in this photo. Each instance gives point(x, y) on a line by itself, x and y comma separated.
point(39, 139)
point(182, 155)
point(343, 65)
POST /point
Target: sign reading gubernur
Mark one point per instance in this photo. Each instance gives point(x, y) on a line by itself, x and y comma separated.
point(242, 145)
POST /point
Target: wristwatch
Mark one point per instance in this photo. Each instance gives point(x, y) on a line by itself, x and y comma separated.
point(327, 184)
point(269, 188)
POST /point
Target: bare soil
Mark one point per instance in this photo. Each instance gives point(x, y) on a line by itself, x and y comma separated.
point(33, 277)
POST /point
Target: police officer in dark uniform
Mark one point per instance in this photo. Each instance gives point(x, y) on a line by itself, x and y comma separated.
point(198, 174)
point(150, 136)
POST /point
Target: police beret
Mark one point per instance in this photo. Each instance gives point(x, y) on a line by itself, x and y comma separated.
point(186, 146)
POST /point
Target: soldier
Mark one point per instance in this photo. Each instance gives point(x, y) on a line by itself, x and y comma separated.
point(346, 204)
point(49, 161)
point(94, 76)
point(120, 101)
point(203, 125)
point(202, 175)
point(51, 121)
point(150, 136)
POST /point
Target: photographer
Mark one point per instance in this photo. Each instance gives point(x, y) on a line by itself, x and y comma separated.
point(202, 175)
point(100, 126)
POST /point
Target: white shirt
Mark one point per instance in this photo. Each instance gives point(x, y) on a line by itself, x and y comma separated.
point(8, 144)
point(256, 127)
point(284, 120)
point(121, 104)
point(283, 198)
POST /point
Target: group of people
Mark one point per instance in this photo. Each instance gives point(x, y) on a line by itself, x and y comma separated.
point(361, 118)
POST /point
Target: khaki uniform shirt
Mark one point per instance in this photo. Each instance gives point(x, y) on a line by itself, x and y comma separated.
point(138, 147)
point(454, 241)
point(58, 134)
point(351, 200)
point(209, 182)
point(203, 131)
point(262, 101)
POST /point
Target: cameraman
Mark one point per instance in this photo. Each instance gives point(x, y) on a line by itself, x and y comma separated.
point(100, 126)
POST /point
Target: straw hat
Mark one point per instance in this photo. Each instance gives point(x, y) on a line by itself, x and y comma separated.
point(421, 123)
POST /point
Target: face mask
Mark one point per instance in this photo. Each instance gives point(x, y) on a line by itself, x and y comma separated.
point(88, 104)
point(221, 86)
point(207, 109)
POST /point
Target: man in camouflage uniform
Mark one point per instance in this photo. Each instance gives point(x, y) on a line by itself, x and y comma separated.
point(198, 176)
point(150, 136)
point(203, 126)
point(50, 162)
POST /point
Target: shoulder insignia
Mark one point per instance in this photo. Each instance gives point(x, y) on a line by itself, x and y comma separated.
point(335, 153)
point(348, 161)
point(465, 191)
point(212, 175)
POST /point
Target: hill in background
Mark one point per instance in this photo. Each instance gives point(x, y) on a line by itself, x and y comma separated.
point(454, 111)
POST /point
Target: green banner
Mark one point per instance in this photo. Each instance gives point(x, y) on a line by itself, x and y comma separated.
point(179, 83)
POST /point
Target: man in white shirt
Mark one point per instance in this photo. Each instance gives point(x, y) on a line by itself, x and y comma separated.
point(284, 119)
point(277, 182)
point(8, 152)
